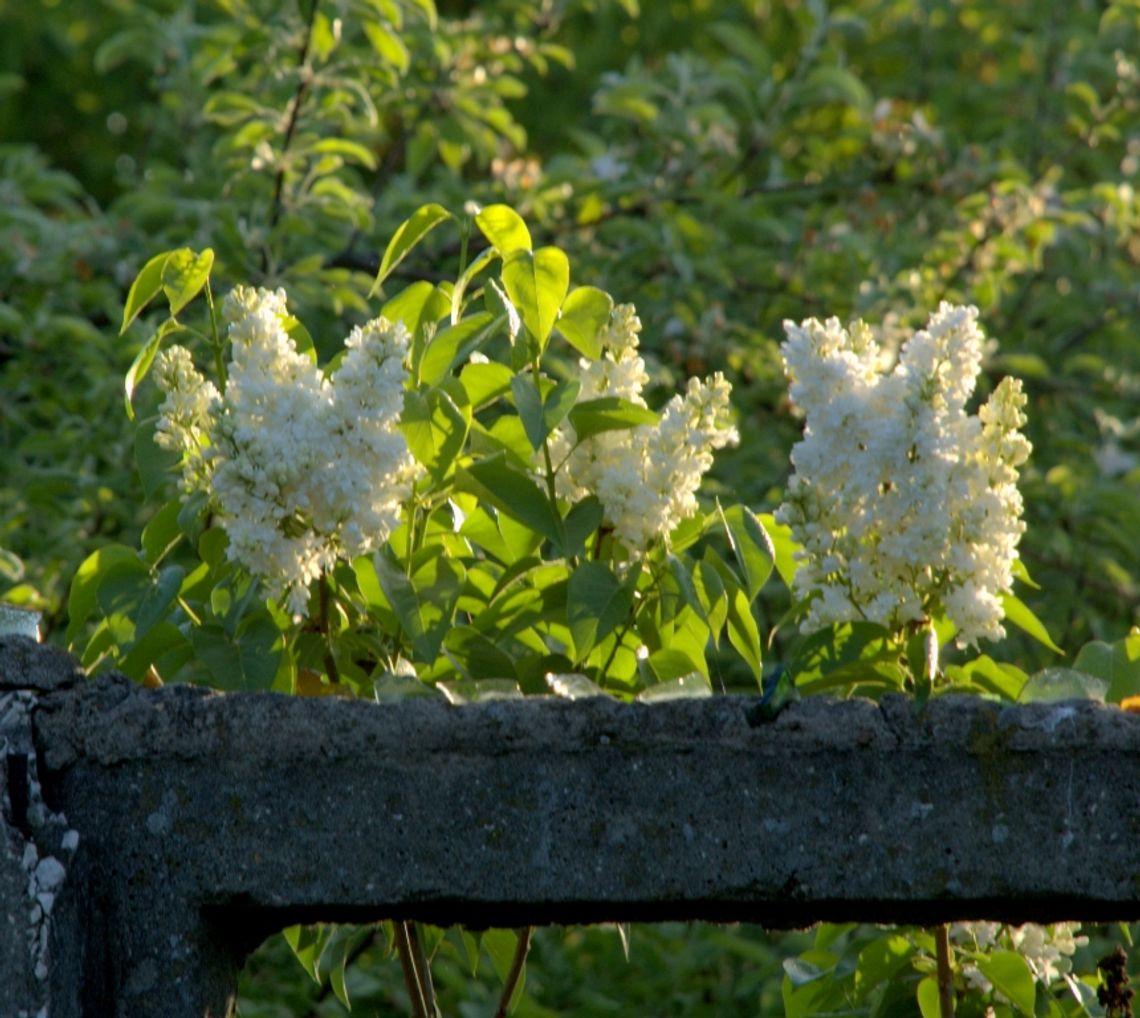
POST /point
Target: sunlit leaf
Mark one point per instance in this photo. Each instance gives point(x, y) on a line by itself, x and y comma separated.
point(84, 595)
point(608, 413)
point(184, 274)
point(929, 1005)
point(536, 284)
point(453, 345)
point(408, 234)
point(388, 45)
point(511, 492)
point(504, 229)
point(1017, 613)
point(1011, 976)
point(145, 288)
point(751, 546)
point(584, 312)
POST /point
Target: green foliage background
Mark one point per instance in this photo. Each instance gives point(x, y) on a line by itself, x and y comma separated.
point(724, 164)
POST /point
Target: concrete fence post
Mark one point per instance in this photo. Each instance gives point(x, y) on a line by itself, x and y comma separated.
point(185, 826)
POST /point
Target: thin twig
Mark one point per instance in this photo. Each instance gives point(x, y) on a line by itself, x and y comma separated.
point(408, 964)
point(945, 976)
point(304, 77)
point(326, 631)
point(518, 963)
point(423, 970)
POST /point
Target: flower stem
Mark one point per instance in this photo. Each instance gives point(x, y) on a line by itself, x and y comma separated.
point(216, 341)
point(518, 963)
point(326, 631)
point(304, 78)
point(945, 975)
point(408, 964)
point(423, 970)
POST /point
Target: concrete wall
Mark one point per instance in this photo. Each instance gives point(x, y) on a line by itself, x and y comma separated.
point(204, 822)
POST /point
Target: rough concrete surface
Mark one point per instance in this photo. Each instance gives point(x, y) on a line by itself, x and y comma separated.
point(207, 821)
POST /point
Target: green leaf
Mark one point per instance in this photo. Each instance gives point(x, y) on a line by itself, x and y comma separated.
point(140, 366)
point(608, 413)
point(155, 465)
point(336, 980)
point(164, 646)
point(831, 83)
point(1005, 680)
point(558, 403)
point(1117, 663)
point(435, 428)
point(307, 943)
point(928, 1002)
point(1021, 572)
point(880, 960)
point(425, 602)
point(1011, 976)
point(743, 632)
point(541, 416)
point(83, 597)
point(751, 546)
point(536, 284)
point(246, 661)
point(528, 402)
point(597, 602)
point(123, 587)
point(504, 229)
point(477, 265)
point(183, 276)
point(485, 383)
point(668, 664)
point(352, 150)
point(411, 305)
point(388, 45)
point(159, 599)
point(1018, 614)
point(511, 492)
point(144, 289)
point(711, 593)
point(855, 644)
point(784, 545)
point(453, 345)
point(408, 234)
point(162, 533)
point(584, 312)
point(477, 655)
point(581, 521)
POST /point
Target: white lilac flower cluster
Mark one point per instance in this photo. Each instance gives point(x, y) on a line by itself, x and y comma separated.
point(302, 469)
point(646, 477)
point(904, 503)
point(1047, 950)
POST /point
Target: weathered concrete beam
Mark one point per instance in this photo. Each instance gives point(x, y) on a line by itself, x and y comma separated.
point(207, 821)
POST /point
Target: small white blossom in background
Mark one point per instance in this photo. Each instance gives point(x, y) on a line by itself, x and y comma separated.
point(646, 477)
point(1047, 950)
point(303, 470)
point(904, 503)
